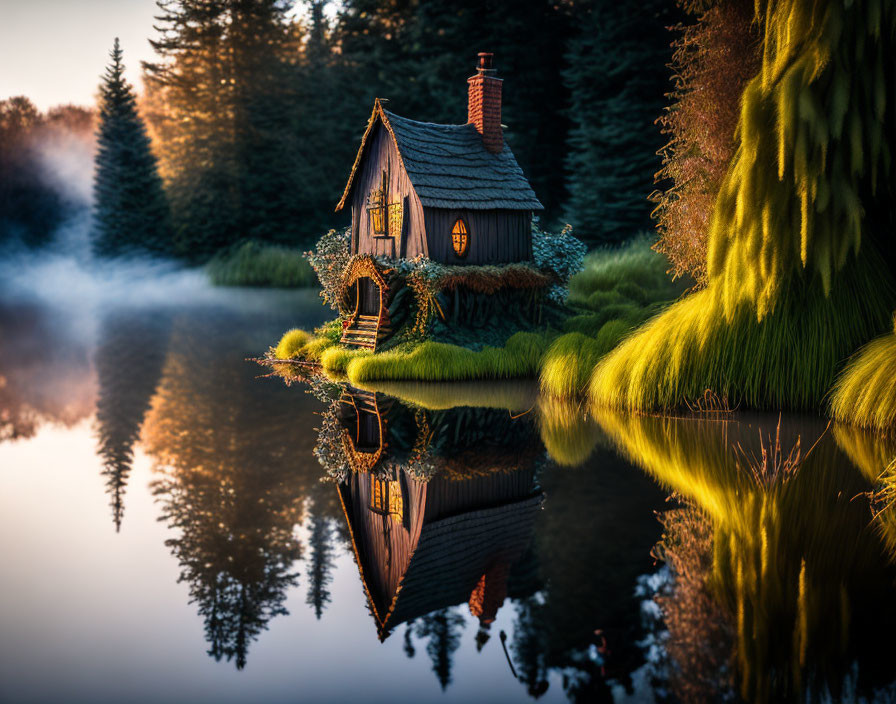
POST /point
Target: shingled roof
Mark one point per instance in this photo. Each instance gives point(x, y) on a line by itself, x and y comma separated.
point(449, 558)
point(449, 166)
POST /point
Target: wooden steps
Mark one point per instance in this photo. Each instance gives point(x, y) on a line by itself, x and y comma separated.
point(363, 332)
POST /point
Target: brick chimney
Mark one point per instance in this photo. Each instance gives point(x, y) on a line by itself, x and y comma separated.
point(484, 104)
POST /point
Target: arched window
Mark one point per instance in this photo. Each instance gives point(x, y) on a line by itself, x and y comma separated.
point(460, 239)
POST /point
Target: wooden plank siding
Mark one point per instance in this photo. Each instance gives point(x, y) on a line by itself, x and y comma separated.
point(382, 155)
point(496, 236)
point(384, 545)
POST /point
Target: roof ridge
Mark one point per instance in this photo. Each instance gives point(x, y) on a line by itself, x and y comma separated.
point(448, 166)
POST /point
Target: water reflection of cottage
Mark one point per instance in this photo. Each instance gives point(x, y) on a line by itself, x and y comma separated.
point(459, 530)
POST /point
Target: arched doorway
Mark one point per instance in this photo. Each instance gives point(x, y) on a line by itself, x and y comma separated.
point(367, 297)
point(363, 302)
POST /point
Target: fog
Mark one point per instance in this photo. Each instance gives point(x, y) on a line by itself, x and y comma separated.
point(66, 276)
point(66, 282)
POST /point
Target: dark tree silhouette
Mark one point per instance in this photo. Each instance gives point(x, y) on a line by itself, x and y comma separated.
point(129, 361)
point(617, 80)
point(443, 630)
point(130, 209)
point(320, 564)
point(31, 208)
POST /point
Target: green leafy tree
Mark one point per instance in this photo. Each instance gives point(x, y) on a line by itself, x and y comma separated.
point(131, 211)
point(617, 79)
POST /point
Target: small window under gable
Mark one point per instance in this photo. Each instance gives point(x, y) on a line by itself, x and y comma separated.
point(460, 238)
point(385, 217)
point(376, 206)
point(386, 498)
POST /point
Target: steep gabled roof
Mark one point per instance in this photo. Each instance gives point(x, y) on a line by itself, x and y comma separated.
point(449, 166)
point(453, 553)
point(450, 556)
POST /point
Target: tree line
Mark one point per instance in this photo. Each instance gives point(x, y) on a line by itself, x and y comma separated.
point(32, 206)
point(253, 110)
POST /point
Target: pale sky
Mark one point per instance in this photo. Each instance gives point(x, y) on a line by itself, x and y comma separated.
point(54, 51)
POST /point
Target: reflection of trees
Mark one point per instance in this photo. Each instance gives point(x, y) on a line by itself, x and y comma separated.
point(321, 542)
point(45, 373)
point(235, 468)
point(129, 359)
point(592, 541)
point(442, 630)
point(794, 567)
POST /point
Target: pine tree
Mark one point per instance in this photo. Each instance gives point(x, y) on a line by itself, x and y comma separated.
point(129, 363)
point(617, 80)
point(131, 212)
point(320, 566)
point(225, 122)
point(443, 630)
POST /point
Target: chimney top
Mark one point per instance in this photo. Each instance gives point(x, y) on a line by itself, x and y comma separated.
point(485, 63)
point(484, 103)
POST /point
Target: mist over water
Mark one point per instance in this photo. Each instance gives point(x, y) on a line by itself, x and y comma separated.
point(66, 276)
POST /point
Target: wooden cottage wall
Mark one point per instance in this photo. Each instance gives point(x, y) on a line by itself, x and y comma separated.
point(496, 236)
point(384, 544)
point(382, 154)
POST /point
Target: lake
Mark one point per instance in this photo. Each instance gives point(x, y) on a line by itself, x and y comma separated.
point(176, 524)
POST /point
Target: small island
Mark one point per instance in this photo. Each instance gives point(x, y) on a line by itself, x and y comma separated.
point(445, 274)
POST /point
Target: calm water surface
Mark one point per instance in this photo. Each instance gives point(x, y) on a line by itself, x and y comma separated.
point(174, 526)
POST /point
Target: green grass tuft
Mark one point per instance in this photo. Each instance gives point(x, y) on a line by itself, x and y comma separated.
point(259, 264)
point(436, 361)
point(633, 274)
point(337, 358)
point(291, 344)
point(865, 393)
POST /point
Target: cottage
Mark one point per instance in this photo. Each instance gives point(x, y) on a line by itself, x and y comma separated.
point(461, 536)
point(452, 193)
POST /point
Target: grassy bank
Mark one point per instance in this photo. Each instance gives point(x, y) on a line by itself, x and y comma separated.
point(793, 284)
point(788, 359)
point(616, 291)
point(257, 264)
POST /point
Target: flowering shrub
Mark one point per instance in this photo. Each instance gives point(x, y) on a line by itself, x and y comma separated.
point(329, 258)
point(561, 255)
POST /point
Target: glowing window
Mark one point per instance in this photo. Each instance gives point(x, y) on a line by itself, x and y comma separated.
point(460, 239)
point(385, 498)
point(379, 495)
point(376, 206)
